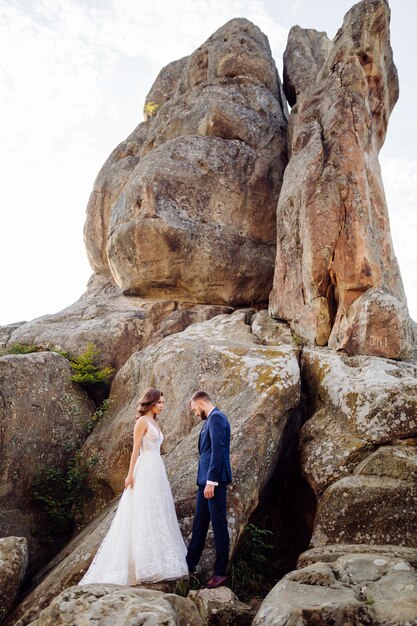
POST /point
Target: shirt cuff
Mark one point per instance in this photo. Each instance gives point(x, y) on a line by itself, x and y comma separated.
point(211, 482)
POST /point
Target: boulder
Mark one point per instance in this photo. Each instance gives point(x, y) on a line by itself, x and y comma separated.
point(221, 607)
point(356, 404)
point(352, 589)
point(217, 355)
point(13, 564)
point(367, 509)
point(376, 323)
point(358, 448)
point(117, 606)
point(118, 325)
point(42, 418)
point(258, 386)
point(184, 209)
point(333, 234)
point(330, 553)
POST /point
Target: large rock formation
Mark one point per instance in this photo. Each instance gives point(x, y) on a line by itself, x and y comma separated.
point(118, 325)
point(13, 564)
point(216, 356)
point(119, 606)
point(336, 277)
point(257, 385)
point(358, 448)
point(352, 589)
point(42, 418)
point(184, 209)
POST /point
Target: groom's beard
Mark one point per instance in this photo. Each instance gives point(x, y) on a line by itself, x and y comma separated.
point(203, 415)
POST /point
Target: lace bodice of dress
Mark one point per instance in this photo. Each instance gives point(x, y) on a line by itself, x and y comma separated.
point(152, 439)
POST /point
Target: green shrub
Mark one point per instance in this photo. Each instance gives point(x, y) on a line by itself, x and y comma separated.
point(22, 348)
point(59, 493)
point(249, 571)
point(85, 368)
point(91, 422)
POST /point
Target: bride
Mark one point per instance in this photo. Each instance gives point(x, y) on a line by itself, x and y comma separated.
point(144, 542)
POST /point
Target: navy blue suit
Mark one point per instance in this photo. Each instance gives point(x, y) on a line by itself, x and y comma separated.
point(213, 465)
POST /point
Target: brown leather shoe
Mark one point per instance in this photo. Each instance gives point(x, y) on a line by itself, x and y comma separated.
point(214, 582)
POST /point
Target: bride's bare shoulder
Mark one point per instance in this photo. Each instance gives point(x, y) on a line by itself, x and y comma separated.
point(141, 424)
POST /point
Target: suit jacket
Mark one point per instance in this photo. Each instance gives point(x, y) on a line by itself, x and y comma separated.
point(214, 449)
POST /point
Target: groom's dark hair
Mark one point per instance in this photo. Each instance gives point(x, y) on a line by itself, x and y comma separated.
point(200, 395)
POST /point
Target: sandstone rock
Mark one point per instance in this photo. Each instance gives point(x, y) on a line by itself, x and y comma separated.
point(184, 209)
point(220, 607)
point(13, 564)
point(118, 606)
point(118, 325)
point(269, 331)
point(164, 87)
point(367, 509)
point(356, 404)
point(398, 462)
point(333, 235)
point(376, 323)
point(353, 589)
point(330, 553)
point(217, 355)
point(62, 571)
point(304, 56)
point(42, 415)
point(257, 386)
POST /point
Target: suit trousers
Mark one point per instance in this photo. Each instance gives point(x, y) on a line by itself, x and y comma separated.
point(214, 510)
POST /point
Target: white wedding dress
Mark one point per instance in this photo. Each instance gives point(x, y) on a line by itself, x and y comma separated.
point(144, 542)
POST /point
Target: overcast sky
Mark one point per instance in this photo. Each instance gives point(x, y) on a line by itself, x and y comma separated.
point(73, 78)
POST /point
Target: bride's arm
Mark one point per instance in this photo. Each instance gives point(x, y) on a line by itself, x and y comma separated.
point(140, 429)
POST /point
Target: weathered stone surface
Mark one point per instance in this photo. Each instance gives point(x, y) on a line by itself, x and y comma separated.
point(376, 323)
point(398, 462)
point(257, 386)
point(219, 356)
point(184, 209)
point(304, 56)
point(269, 331)
point(13, 564)
point(220, 607)
point(41, 413)
point(353, 589)
point(367, 509)
point(333, 235)
point(112, 605)
point(330, 553)
point(164, 87)
point(118, 325)
point(357, 403)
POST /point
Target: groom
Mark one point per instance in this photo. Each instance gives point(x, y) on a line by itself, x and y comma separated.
point(213, 476)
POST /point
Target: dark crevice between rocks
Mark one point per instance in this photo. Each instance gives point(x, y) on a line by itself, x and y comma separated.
point(287, 504)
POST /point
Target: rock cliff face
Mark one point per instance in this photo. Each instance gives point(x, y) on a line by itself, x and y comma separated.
point(184, 209)
point(180, 231)
point(42, 417)
point(336, 277)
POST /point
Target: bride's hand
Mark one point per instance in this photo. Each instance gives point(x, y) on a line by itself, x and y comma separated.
point(128, 481)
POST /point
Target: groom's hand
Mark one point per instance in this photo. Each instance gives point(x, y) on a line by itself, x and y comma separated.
point(209, 491)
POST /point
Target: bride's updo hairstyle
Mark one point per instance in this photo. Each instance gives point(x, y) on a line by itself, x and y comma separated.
point(150, 397)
